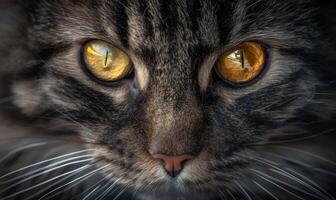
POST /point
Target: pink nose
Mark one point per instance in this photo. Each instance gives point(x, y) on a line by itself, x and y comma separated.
point(173, 164)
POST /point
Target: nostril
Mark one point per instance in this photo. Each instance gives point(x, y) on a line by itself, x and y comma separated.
point(173, 164)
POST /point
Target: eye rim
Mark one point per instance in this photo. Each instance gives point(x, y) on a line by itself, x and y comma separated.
point(265, 67)
point(88, 72)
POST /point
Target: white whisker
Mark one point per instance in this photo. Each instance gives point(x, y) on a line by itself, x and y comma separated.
point(80, 179)
point(265, 190)
point(311, 182)
point(310, 154)
point(54, 184)
point(102, 189)
point(46, 167)
point(93, 191)
point(244, 191)
point(310, 136)
point(21, 149)
point(271, 180)
point(120, 193)
point(109, 189)
point(98, 183)
point(44, 172)
point(42, 162)
point(40, 184)
point(307, 166)
point(291, 177)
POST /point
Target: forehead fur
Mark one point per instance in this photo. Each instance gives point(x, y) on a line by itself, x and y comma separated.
point(213, 22)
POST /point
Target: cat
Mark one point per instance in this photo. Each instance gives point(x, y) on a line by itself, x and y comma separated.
point(156, 99)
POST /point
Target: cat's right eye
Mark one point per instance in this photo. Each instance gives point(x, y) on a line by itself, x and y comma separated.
point(242, 64)
point(105, 62)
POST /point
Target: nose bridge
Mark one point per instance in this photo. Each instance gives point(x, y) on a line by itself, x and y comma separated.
point(175, 119)
point(173, 103)
point(175, 130)
point(173, 109)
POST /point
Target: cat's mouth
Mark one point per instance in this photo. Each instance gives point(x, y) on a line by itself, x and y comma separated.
point(144, 174)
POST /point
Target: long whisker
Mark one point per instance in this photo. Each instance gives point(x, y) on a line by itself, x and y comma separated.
point(276, 168)
point(292, 140)
point(310, 154)
point(260, 175)
point(312, 182)
point(287, 175)
point(46, 167)
point(265, 190)
point(42, 162)
point(109, 189)
point(307, 166)
point(120, 193)
point(44, 172)
point(40, 184)
point(244, 191)
point(80, 179)
point(92, 192)
point(55, 183)
point(21, 149)
point(98, 183)
point(289, 185)
point(102, 189)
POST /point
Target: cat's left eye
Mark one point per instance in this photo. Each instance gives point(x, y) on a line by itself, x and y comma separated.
point(105, 62)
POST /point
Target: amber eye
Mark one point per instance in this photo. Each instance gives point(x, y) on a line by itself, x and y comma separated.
point(105, 61)
point(242, 64)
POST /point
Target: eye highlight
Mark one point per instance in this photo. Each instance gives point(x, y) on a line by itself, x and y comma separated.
point(242, 64)
point(105, 61)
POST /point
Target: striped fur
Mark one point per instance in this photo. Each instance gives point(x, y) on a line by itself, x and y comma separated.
point(173, 102)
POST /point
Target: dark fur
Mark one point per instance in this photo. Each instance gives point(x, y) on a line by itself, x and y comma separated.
point(182, 106)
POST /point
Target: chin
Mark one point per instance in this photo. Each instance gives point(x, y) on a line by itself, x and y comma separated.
point(173, 190)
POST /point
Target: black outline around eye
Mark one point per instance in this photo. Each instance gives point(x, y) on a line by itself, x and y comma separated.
point(89, 73)
point(251, 82)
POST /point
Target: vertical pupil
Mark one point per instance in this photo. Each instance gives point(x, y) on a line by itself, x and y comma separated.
point(106, 57)
point(242, 59)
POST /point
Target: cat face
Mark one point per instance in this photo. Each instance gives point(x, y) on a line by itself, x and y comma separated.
point(172, 101)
